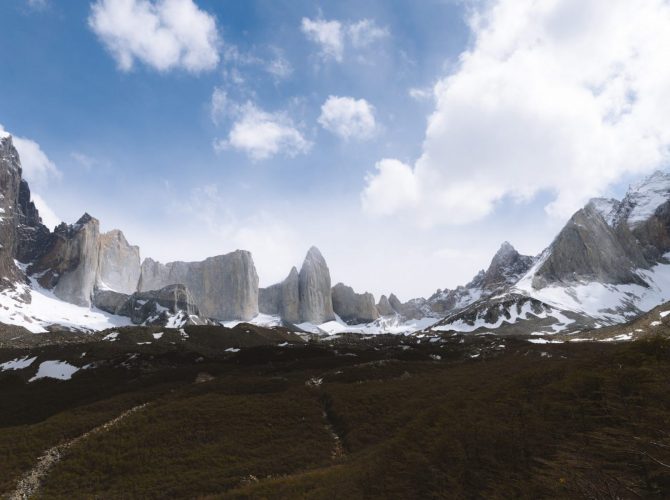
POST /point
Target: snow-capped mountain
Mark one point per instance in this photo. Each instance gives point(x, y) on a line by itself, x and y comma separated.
point(610, 263)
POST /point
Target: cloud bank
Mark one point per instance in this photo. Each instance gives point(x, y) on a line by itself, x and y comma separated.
point(561, 97)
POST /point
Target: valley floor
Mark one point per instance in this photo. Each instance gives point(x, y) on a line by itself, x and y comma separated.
point(255, 413)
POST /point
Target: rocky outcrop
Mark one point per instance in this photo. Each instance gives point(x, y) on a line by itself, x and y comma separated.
point(157, 306)
point(384, 307)
point(173, 305)
point(118, 263)
point(352, 307)
point(225, 287)
point(316, 304)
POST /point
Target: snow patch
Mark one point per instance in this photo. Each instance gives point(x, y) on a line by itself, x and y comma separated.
point(17, 364)
point(61, 370)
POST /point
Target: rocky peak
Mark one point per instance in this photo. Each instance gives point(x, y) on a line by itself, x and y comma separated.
point(384, 307)
point(506, 267)
point(644, 198)
point(316, 303)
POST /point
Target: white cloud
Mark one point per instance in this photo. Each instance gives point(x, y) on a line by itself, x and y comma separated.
point(333, 36)
point(327, 34)
point(392, 188)
point(348, 117)
point(261, 134)
point(365, 32)
point(164, 34)
point(36, 165)
point(563, 97)
point(49, 217)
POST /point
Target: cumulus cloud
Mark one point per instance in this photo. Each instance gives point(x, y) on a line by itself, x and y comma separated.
point(164, 34)
point(393, 187)
point(327, 34)
point(332, 36)
point(262, 135)
point(562, 97)
point(348, 117)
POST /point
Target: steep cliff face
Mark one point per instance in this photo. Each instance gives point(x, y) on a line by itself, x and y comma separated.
point(119, 263)
point(282, 299)
point(225, 287)
point(74, 257)
point(316, 303)
point(352, 307)
point(10, 181)
point(590, 249)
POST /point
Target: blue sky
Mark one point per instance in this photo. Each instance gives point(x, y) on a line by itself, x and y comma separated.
point(233, 143)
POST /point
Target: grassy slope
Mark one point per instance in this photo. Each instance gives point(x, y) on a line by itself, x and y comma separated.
point(530, 421)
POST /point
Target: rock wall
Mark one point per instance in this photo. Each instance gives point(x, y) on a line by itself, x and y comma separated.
point(225, 287)
point(352, 307)
point(118, 263)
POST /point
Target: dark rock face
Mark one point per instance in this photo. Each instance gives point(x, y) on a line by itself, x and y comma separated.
point(33, 235)
point(225, 287)
point(506, 267)
point(316, 303)
point(10, 211)
point(352, 307)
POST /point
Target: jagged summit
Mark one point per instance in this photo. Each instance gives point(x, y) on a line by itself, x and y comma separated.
point(506, 267)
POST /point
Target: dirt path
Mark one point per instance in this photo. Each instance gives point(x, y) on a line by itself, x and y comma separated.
point(30, 482)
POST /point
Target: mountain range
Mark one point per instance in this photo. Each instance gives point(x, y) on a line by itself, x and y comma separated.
point(607, 265)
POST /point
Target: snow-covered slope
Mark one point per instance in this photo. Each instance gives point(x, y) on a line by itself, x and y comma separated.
point(45, 310)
